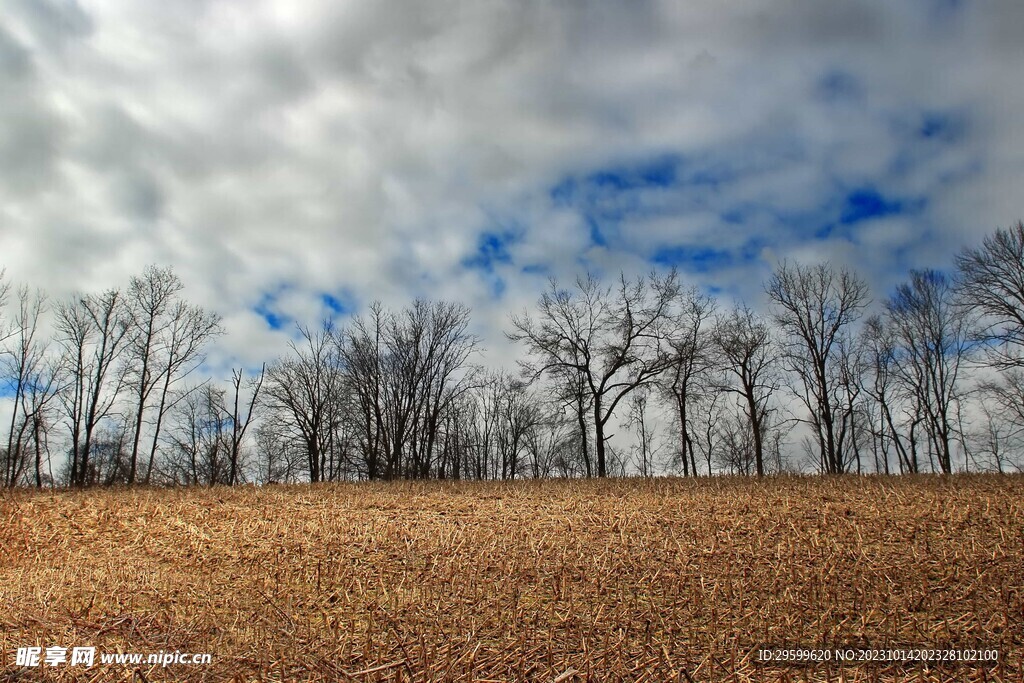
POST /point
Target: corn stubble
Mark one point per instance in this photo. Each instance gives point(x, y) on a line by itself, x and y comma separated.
point(638, 580)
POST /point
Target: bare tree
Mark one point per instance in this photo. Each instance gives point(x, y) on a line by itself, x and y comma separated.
point(706, 412)
point(687, 379)
point(304, 389)
point(148, 300)
point(164, 335)
point(813, 306)
point(569, 389)
point(852, 362)
point(989, 285)
point(241, 417)
point(472, 428)
point(518, 415)
point(281, 458)
point(5, 287)
point(934, 338)
point(646, 448)
point(20, 359)
point(34, 378)
point(186, 331)
point(361, 350)
point(441, 376)
point(550, 445)
point(735, 450)
point(404, 371)
point(1000, 434)
point(108, 458)
point(614, 340)
point(990, 280)
point(744, 342)
point(39, 409)
point(199, 437)
point(207, 431)
point(92, 330)
point(881, 384)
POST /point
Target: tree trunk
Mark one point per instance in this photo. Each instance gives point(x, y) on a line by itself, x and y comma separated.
point(583, 437)
point(755, 426)
point(602, 469)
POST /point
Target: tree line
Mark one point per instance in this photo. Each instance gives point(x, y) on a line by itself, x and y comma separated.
point(635, 376)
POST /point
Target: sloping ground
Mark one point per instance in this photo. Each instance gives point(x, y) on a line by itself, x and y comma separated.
point(660, 580)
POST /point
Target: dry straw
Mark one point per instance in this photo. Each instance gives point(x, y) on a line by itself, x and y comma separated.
point(634, 580)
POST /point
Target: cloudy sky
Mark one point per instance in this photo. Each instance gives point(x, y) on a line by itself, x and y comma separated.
point(293, 160)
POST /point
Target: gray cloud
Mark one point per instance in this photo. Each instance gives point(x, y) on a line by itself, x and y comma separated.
point(365, 148)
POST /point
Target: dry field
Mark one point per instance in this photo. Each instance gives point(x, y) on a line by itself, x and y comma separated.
point(663, 580)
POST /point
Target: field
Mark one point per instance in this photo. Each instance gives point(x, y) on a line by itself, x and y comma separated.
point(663, 580)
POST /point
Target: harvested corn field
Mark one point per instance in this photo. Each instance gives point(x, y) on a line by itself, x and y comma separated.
point(639, 580)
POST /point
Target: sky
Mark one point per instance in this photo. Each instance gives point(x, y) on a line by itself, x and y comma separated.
point(297, 160)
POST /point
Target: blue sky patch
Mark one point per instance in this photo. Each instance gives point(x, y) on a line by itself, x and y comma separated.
point(867, 204)
point(693, 259)
point(274, 320)
point(491, 249)
point(659, 172)
point(840, 219)
point(707, 259)
point(597, 236)
point(332, 304)
point(606, 197)
point(268, 309)
point(338, 304)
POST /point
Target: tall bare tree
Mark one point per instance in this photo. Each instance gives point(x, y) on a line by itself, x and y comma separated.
point(745, 345)
point(303, 388)
point(614, 339)
point(934, 335)
point(443, 374)
point(735, 450)
point(990, 286)
point(92, 331)
point(39, 409)
point(185, 332)
point(814, 306)
point(707, 411)
point(550, 445)
point(361, 348)
point(242, 414)
point(512, 413)
point(5, 288)
point(693, 364)
point(852, 363)
point(881, 384)
point(570, 390)
point(149, 300)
